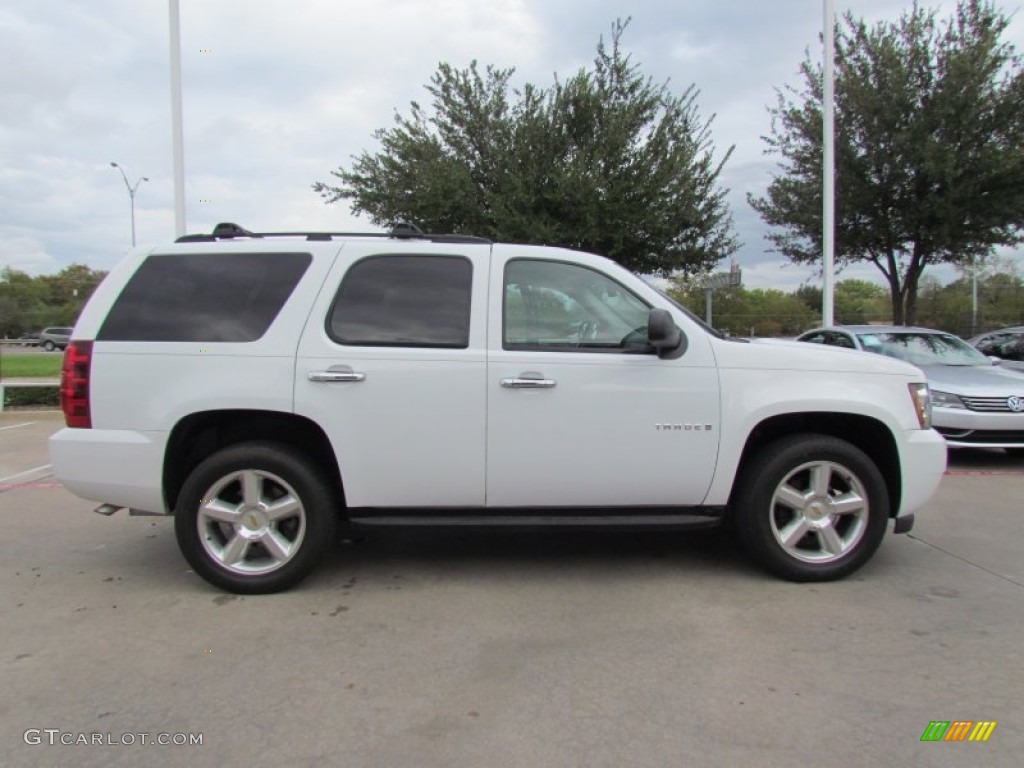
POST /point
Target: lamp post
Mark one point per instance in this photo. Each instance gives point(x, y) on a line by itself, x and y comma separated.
point(131, 193)
point(828, 166)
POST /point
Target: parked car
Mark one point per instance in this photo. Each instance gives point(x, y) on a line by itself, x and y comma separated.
point(974, 403)
point(268, 388)
point(1007, 344)
point(54, 338)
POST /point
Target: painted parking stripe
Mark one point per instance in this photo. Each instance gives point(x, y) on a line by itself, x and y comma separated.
point(26, 472)
point(15, 426)
point(27, 486)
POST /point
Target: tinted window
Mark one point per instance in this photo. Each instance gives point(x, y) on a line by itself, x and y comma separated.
point(553, 305)
point(1009, 346)
point(404, 301)
point(204, 297)
point(814, 338)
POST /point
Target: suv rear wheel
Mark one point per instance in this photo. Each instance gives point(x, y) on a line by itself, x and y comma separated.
point(255, 518)
point(811, 508)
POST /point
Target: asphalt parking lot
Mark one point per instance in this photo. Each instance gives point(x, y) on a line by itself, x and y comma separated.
point(533, 650)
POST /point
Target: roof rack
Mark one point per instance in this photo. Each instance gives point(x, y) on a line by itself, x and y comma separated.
point(400, 231)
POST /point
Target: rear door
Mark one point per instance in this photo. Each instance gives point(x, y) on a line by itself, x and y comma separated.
point(392, 364)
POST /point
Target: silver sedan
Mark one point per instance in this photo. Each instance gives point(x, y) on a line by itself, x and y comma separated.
point(975, 403)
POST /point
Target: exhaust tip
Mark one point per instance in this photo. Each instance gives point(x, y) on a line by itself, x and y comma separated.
point(106, 509)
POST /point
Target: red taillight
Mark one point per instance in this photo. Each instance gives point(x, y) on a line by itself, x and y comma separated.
point(74, 384)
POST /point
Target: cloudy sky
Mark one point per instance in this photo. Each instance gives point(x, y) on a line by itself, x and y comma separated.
point(277, 93)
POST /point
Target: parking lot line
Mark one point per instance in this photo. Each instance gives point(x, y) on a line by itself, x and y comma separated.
point(15, 426)
point(26, 472)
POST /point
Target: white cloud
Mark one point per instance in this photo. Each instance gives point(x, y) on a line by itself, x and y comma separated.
point(279, 93)
point(27, 254)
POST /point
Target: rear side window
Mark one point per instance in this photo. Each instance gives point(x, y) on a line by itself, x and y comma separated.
point(404, 301)
point(204, 297)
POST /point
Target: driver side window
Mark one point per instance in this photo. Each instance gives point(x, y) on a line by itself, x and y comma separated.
point(556, 306)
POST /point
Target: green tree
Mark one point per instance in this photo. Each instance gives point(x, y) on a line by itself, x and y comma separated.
point(859, 301)
point(929, 158)
point(21, 303)
point(749, 312)
point(606, 161)
point(30, 303)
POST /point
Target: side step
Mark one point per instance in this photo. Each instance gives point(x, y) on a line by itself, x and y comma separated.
point(706, 518)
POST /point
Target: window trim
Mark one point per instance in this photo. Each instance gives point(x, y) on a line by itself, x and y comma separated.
point(648, 350)
point(328, 325)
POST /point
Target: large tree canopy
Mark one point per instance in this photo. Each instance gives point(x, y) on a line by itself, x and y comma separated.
point(929, 151)
point(606, 161)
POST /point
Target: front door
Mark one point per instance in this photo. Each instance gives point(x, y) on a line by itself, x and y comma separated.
point(581, 412)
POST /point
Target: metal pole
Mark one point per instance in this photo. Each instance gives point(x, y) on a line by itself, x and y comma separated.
point(131, 193)
point(974, 294)
point(708, 293)
point(828, 165)
point(177, 131)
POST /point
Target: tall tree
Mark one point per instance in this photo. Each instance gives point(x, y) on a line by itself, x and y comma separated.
point(606, 161)
point(929, 157)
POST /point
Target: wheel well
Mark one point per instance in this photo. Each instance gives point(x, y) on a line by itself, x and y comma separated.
point(868, 434)
point(201, 434)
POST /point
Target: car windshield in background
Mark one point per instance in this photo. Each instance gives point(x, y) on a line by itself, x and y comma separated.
point(923, 348)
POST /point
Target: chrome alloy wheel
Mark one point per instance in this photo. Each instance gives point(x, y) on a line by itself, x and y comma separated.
point(819, 512)
point(251, 522)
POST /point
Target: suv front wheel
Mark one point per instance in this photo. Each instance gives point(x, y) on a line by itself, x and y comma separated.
point(255, 518)
point(811, 508)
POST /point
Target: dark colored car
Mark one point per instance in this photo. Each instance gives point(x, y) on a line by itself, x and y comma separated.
point(1007, 344)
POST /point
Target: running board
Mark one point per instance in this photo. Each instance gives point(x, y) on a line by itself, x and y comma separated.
point(703, 519)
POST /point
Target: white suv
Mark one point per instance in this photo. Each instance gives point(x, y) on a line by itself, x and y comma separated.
point(265, 388)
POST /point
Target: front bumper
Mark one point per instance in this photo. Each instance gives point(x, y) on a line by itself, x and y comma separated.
point(923, 462)
point(971, 429)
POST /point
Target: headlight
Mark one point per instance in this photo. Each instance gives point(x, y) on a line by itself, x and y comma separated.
point(947, 400)
point(922, 404)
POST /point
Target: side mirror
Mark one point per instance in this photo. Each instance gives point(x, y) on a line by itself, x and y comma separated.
point(995, 360)
point(664, 335)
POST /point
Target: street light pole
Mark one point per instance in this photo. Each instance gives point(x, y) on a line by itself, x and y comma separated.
point(131, 193)
point(828, 166)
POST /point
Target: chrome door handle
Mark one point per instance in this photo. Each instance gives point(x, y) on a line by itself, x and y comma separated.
point(336, 373)
point(528, 383)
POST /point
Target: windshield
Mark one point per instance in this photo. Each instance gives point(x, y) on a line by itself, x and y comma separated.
point(923, 348)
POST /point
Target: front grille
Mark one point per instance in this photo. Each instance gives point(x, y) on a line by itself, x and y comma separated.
point(988, 404)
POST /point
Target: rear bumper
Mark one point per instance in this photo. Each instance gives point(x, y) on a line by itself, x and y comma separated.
point(114, 466)
point(923, 462)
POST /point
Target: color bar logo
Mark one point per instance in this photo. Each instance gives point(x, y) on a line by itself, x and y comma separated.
point(958, 730)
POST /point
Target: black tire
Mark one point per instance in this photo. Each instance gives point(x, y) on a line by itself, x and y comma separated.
point(240, 544)
point(49, 346)
point(798, 532)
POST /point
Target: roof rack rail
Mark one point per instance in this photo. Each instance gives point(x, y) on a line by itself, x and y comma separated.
point(400, 231)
